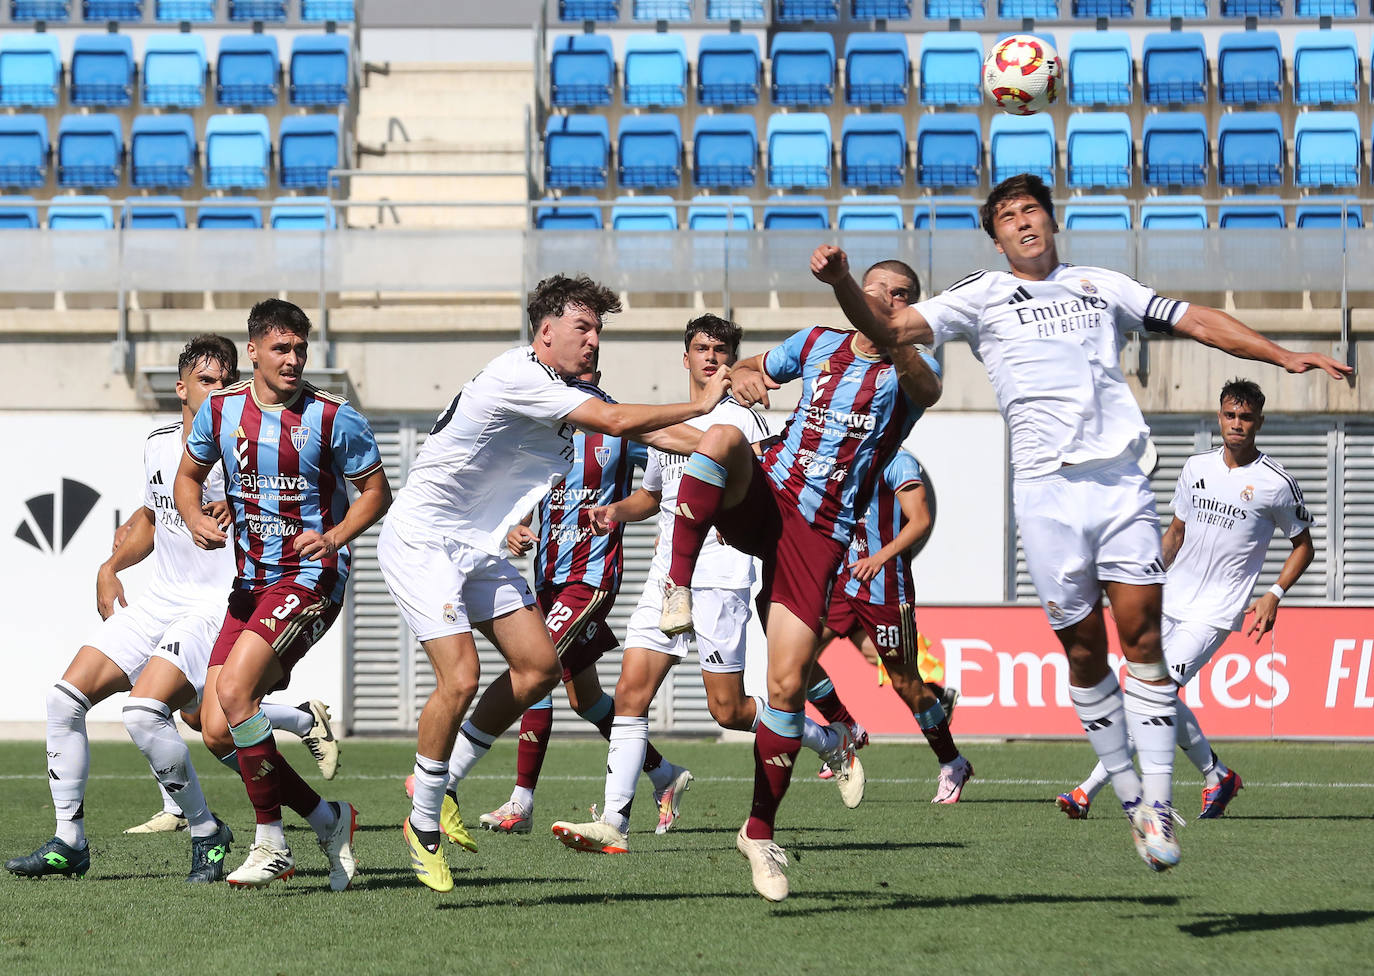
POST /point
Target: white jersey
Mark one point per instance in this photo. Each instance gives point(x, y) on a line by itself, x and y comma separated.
point(498, 448)
point(1052, 349)
point(182, 571)
point(719, 566)
point(1230, 514)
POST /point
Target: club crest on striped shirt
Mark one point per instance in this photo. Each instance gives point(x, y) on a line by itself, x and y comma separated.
point(602, 454)
point(300, 436)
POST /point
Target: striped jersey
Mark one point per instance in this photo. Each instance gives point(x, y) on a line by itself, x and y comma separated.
point(880, 525)
point(285, 467)
point(851, 417)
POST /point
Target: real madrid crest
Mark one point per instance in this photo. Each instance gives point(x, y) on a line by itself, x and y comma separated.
point(1248, 494)
point(1088, 287)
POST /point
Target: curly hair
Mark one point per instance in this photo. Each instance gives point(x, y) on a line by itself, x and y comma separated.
point(552, 296)
point(1244, 392)
point(1020, 185)
point(210, 348)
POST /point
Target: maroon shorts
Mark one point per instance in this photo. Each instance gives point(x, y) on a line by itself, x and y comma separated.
point(575, 615)
point(290, 617)
point(891, 627)
point(799, 563)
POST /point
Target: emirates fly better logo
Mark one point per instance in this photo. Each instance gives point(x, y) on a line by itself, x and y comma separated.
point(51, 520)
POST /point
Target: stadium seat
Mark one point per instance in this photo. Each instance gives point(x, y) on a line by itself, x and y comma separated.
point(728, 70)
point(655, 70)
point(949, 149)
point(951, 68)
point(1326, 8)
point(102, 70)
point(1250, 149)
point(267, 11)
point(1174, 148)
point(30, 69)
point(1326, 67)
point(318, 72)
point(192, 11)
point(576, 11)
point(806, 213)
point(238, 151)
point(577, 149)
point(946, 213)
point(174, 70)
point(318, 11)
point(655, 10)
point(877, 69)
point(301, 213)
point(955, 10)
point(1171, 9)
point(725, 151)
point(1267, 9)
point(112, 10)
point(1100, 68)
point(869, 213)
point(244, 215)
point(90, 150)
point(1022, 144)
point(799, 150)
point(155, 213)
point(81, 213)
point(162, 151)
point(650, 213)
point(581, 70)
point(17, 214)
point(720, 213)
point(649, 150)
point(1098, 149)
point(1327, 149)
point(803, 68)
point(1173, 213)
point(800, 11)
point(1174, 68)
point(1106, 212)
point(1249, 67)
point(247, 70)
point(53, 11)
point(1316, 212)
point(310, 146)
point(1251, 213)
point(23, 150)
point(1024, 9)
point(873, 150)
point(736, 10)
point(568, 213)
point(1097, 9)
point(880, 9)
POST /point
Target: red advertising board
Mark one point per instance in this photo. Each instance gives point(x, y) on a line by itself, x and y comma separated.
point(1313, 677)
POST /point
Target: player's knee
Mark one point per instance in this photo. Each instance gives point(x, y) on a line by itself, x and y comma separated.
point(217, 740)
point(456, 688)
point(64, 707)
point(730, 714)
point(141, 722)
point(192, 718)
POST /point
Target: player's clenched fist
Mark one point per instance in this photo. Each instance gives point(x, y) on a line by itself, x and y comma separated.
point(751, 386)
point(314, 545)
point(601, 519)
point(206, 532)
point(829, 263)
point(520, 540)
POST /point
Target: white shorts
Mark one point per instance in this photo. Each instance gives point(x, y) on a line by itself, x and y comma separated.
point(1189, 645)
point(719, 617)
point(442, 587)
point(181, 633)
point(1083, 525)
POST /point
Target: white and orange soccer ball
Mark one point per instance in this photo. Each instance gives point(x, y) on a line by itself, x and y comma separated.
point(1023, 74)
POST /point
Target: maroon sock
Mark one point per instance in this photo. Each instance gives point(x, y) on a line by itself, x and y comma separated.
point(652, 757)
point(536, 725)
point(774, 756)
point(258, 765)
point(295, 792)
point(697, 504)
point(828, 702)
point(941, 742)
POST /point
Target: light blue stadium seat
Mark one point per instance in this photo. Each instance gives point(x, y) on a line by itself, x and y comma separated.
point(1317, 212)
point(949, 149)
point(720, 213)
point(881, 9)
point(16, 213)
point(799, 11)
point(806, 213)
point(1326, 8)
point(1174, 149)
point(1022, 144)
point(1099, 68)
point(1249, 67)
point(878, 212)
point(238, 150)
point(577, 150)
point(576, 11)
point(301, 213)
point(318, 73)
point(52, 11)
point(568, 213)
point(247, 215)
point(955, 10)
point(90, 150)
point(1182, 212)
point(174, 70)
point(267, 11)
point(752, 10)
point(1033, 9)
point(1266, 9)
point(655, 70)
point(725, 151)
point(247, 70)
point(1105, 212)
point(155, 213)
point(108, 10)
point(81, 213)
point(728, 70)
point(23, 150)
point(1250, 149)
point(30, 69)
point(1259, 212)
point(877, 69)
point(655, 10)
point(873, 150)
point(1326, 67)
point(319, 11)
point(310, 147)
point(946, 213)
point(803, 68)
point(649, 150)
point(1174, 68)
point(1098, 149)
point(651, 213)
point(162, 151)
point(192, 11)
point(102, 70)
point(951, 68)
point(1096, 9)
point(1170, 9)
point(1326, 149)
point(581, 70)
point(799, 150)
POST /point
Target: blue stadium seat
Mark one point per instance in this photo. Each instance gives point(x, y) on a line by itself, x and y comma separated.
point(649, 149)
point(806, 213)
point(1326, 8)
point(1174, 68)
point(568, 213)
point(655, 70)
point(799, 11)
point(1023, 9)
point(319, 73)
point(951, 67)
point(17, 214)
point(880, 9)
point(192, 11)
point(869, 213)
point(108, 10)
point(1096, 9)
point(1182, 9)
point(238, 150)
point(247, 70)
point(155, 213)
point(720, 213)
point(736, 10)
point(877, 69)
point(955, 10)
point(581, 70)
point(1327, 149)
point(1100, 68)
point(1267, 9)
point(949, 149)
point(102, 70)
point(644, 213)
point(1181, 212)
point(174, 70)
point(1250, 149)
point(247, 215)
point(577, 150)
point(23, 150)
point(1174, 148)
point(30, 69)
point(576, 11)
point(799, 150)
point(1249, 67)
point(655, 10)
point(53, 11)
point(725, 150)
point(1316, 212)
point(803, 68)
point(1105, 212)
point(301, 213)
point(267, 11)
point(318, 11)
point(728, 70)
point(946, 213)
point(310, 146)
point(1257, 212)
point(1022, 144)
point(90, 150)
point(873, 150)
point(1326, 67)
point(162, 151)
point(81, 213)
point(1098, 149)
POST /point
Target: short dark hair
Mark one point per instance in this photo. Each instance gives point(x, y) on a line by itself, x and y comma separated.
point(1245, 392)
point(1020, 185)
point(273, 314)
point(896, 267)
point(552, 296)
point(213, 348)
point(714, 327)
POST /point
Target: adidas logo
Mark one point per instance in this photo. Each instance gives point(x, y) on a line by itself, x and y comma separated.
point(52, 519)
point(684, 511)
point(1159, 720)
point(156, 479)
point(715, 658)
point(783, 762)
point(529, 736)
point(1020, 295)
point(1200, 483)
point(238, 432)
point(268, 622)
point(263, 770)
point(1102, 723)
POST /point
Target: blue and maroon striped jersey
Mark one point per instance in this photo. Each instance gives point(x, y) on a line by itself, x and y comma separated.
point(284, 473)
point(879, 526)
point(851, 417)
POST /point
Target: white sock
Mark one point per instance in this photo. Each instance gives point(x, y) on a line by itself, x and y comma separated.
point(149, 723)
point(819, 738)
point(1097, 779)
point(523, 797)
point(759, 705)
point(662, 774)
point(431, 779)
point(471, 746)
point(1195, 745)
point(1100, 710)
point(272, 835)
point(69, 760)
point(169, 805)
point(289, 718)
point(323, 818)
point(1152, 711)
point(624, 759)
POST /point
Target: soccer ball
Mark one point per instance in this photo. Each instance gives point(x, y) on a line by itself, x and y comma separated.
point(1022, 74)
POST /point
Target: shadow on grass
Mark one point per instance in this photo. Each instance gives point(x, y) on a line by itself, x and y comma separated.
point(605, 898)
point(805, 847)
point(1235, 924)
point(1302, 816)
point(848, 901)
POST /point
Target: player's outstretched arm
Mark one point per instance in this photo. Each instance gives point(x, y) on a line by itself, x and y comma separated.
point(374, 498)
point(636, 420)
point(919, 382)
point(134, 547)
point(1215, 328)
point(634, 507)
point(917, 527)
point(186, 491)
point(887, 327)
point(1172, 541)
point(1266, 606)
